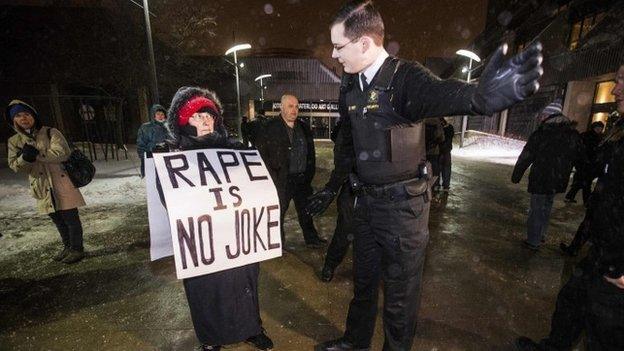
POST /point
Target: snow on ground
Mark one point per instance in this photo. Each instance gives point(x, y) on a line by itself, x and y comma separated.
point(490, 148)
point(116, 182)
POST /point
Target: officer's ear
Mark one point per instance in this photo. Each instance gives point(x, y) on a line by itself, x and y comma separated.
point(367, 43)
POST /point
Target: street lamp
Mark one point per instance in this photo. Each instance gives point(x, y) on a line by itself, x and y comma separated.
point(260, 78)
point(473, 57)
point(233, 50)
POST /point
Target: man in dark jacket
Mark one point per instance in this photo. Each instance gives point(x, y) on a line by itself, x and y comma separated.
point(551, 151)
point(584, 177)
point(445, 155)
point(287, 148)
point(592, 300)
point(151, 134)
point(381, 149)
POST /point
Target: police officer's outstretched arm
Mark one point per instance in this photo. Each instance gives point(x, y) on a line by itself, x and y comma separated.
point(506, 82)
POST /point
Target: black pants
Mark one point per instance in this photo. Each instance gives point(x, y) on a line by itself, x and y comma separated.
point(434, 160)
point(391, 236)
point(68, 224)
point(445, 170)
point(343, 234)
point(581, 180)
point(298, 189)
point(588, 302)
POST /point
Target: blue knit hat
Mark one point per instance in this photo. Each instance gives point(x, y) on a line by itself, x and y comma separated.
point(553, 108)
point(17, 108)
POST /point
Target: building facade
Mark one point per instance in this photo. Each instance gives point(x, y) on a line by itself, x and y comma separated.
point(583, 47)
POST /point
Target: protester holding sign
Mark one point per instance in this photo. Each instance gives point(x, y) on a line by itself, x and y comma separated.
point(38, 151)
point(224, 305)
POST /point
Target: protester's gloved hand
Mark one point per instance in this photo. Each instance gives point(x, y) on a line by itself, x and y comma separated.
point(504, 83)
point(318, 202)
point(29, 153)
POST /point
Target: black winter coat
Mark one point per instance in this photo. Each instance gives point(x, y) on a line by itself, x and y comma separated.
point(551, 151)
point(607, 222)
point(447, 145)
point(224, 305)
point(274, 146)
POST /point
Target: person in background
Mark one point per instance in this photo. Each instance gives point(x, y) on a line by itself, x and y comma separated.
point(151, 134)
point(551, 151)
point(287, 148)
point(39, 151)
point(445, 155)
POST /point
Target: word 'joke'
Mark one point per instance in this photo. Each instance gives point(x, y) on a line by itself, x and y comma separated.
point(252, 234)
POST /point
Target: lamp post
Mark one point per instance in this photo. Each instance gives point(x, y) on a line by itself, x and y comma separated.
point(260, 78)
point(234, 49)
point(150, 46)
point(473, 57)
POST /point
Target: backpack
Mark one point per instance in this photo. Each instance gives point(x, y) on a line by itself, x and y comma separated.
point(78, 166)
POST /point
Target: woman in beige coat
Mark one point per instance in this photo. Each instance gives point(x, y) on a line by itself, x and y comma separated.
point(38, 151)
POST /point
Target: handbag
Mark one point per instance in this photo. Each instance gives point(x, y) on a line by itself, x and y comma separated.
point(78, 166)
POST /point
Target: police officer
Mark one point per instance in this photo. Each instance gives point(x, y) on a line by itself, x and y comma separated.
point(382, 137)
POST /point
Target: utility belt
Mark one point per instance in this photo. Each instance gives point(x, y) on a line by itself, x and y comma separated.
point(418, 186)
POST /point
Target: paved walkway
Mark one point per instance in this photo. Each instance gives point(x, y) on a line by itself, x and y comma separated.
point(481, 288)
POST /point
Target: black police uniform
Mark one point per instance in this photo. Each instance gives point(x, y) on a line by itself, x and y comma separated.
point(383, 138)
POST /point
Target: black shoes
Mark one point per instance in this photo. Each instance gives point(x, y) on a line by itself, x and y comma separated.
point(530, 246)
point(261, 341)
point(338, 345)
point(316, 243)
point(209, 348)
point(73, 256)
point(568, 250)
point(569, 201)
point(526, 344)
point(327, 274)
point(61, 255)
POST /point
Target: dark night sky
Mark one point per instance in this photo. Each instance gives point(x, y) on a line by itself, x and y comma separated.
point(416, 28)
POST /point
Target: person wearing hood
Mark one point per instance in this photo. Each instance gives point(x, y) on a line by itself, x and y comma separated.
point(39, 151)
point(592, 299)
point(224, 305)
point(151, 134)
point(551, 151)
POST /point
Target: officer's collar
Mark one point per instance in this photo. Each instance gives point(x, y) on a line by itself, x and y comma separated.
point(372, 70)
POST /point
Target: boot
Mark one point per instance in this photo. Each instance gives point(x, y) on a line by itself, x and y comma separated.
point(568, 250)
point(261, 341)
point(205, 347)
point(73, 256)
point(327, 274)
point(61, 255)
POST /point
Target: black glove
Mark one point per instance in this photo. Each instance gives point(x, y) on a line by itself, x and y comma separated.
point(318, 203)
point(29, 153)
point(504, 83)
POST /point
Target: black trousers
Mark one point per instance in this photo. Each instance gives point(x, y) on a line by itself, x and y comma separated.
point(445, 170)
point(298, 189)
point(391, 236)
point(588, 302)
point(581, 180)
point(343, 234)
point(69, 226)
point(434, 160)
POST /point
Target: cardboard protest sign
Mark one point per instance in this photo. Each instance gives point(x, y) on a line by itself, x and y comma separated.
point(223, 209)
point(160, 233)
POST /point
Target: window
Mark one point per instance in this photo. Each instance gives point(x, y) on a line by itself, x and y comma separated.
point(603, 92)
point(600, 117)
point(583, 26)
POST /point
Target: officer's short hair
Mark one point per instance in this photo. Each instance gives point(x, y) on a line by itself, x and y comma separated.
point(360, 18)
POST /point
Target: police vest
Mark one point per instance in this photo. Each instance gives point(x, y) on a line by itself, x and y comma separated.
point(388, 147)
